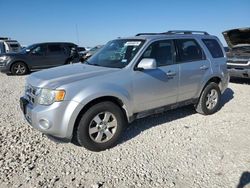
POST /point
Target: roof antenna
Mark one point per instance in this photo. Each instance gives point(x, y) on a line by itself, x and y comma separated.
point(77, 35)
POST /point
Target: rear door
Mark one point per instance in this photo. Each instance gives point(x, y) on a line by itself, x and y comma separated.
point(55, 55)
point(194, 68)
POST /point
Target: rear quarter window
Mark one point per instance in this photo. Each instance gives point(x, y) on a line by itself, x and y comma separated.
point(213, 47)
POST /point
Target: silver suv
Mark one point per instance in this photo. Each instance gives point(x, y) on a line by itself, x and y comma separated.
point(90, 104)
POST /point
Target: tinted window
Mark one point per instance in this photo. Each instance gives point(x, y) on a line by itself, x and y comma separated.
point(54, 48)
point(14, 45)
point(161, 51)
point(41, 49)
point(1, 48)
point(213, 47)
point(189, 50)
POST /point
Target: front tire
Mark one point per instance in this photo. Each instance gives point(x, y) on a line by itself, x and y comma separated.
point(19, 68)
point(100, 127)
point(209, 100)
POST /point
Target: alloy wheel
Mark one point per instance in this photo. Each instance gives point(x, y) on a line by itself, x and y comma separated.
point(102, 127)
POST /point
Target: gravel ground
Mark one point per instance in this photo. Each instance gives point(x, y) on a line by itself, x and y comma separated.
point(179, 148)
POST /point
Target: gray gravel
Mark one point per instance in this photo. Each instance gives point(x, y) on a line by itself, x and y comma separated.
point(179, 148)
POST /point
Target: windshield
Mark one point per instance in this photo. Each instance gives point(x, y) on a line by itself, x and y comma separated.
point(30, 47)
point(116, 54)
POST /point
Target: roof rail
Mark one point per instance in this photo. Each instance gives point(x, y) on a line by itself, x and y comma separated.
point(175, 32)
point(139, 34)
point(186, 32)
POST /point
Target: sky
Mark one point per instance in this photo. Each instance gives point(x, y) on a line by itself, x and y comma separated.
point(93, 22)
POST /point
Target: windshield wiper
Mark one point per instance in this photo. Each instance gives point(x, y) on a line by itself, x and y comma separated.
point(94, 64)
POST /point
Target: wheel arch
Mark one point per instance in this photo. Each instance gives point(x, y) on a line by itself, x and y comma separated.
point(216, 79)
point(109, 98)
point(17, 61)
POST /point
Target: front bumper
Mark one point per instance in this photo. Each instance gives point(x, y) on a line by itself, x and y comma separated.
point(58, 117)
point(4, 69)
point(239, 71)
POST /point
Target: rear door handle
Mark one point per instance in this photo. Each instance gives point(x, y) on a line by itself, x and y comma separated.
point(171, 73)
point(204, 67)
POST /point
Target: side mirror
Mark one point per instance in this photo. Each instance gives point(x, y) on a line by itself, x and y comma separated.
point(27, 50)
point(147, 63)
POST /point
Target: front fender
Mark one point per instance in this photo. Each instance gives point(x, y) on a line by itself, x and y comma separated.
point(96, 91)
point(86, 95)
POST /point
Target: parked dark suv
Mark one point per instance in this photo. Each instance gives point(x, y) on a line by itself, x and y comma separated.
point(37, 56)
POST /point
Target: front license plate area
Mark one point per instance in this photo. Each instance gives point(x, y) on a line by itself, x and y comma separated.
point(23, 104)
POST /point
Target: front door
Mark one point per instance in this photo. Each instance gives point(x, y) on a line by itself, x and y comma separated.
point(37, 57)
point(157, 87)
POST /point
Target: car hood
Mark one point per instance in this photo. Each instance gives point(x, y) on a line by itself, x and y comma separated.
point(237, 37)
point(56, 77)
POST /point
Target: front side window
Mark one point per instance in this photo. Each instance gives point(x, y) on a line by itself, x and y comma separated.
point(213, 47)
point(189, 50)
point(161, 51)
point(116, 54)
point(41, 49)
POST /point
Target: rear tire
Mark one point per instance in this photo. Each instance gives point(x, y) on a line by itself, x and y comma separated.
point(209, 100)
point(100, 127)
point(19, 68)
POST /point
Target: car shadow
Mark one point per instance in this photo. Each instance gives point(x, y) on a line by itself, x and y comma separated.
point(240, 80)
point(227, 96)
point(13, 75)
point(140, 125)
point(244, 180)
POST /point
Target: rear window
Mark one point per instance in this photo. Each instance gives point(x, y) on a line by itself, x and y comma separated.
point(14, 45)
point(213, 47)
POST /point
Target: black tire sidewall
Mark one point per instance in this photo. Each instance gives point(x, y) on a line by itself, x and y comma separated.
point(203, 99)
point(17, 63)
point(82, 134)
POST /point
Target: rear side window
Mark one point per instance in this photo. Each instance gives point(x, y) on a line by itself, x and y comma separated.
point(54, 49)
point(189, 50)
point(213, 47)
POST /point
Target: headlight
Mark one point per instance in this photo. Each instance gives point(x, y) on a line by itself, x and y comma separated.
point(4, 58)
point(48, 97)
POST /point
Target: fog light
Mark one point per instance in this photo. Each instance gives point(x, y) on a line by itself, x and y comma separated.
point(44, 124)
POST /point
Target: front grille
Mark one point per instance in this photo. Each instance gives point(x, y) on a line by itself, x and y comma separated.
point(238, 62)
point(31, 93)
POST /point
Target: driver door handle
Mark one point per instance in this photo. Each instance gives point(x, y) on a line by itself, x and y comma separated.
point(204, 67)
point(171, 73)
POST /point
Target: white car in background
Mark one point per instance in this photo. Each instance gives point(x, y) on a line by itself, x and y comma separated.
point(8, 46)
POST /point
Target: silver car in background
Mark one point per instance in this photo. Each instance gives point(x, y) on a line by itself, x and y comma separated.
point(90, 104)
point(9, 46)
